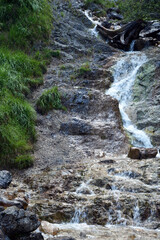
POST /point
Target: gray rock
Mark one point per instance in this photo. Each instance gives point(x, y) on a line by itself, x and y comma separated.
point(151, 30)
point(5, 178)
point(3, 236)
point(31, 236)
point(76, 127)
point(64, 238)
point(16, 221)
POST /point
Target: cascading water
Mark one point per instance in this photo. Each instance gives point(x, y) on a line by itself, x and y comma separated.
point(124, 76)
point(93, 30)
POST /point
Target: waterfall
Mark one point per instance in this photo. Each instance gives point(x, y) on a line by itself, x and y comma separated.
point(93, 30)
point(124, 76)
point(79, 216)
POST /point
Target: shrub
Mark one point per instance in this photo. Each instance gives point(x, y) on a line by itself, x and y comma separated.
point(50, 99)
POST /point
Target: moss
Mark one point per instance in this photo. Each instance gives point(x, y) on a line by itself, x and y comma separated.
point(50, 99)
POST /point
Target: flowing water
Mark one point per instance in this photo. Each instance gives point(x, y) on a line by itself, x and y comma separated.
point(95, 22)
point(124, 76)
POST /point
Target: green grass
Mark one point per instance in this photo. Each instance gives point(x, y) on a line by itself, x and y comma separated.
point(50, 99)
point(23, 161)
point(24, 22)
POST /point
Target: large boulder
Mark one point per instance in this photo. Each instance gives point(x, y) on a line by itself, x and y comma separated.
point(16, 221)
point(5, 178)
point(142, 153)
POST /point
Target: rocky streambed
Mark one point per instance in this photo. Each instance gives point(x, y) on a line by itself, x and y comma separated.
point(82, 185)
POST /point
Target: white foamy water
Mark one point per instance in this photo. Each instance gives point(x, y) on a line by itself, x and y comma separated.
point(95, 22)
point(124, 76)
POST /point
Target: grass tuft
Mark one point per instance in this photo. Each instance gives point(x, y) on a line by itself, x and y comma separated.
point(50, 99)
point(23, 161)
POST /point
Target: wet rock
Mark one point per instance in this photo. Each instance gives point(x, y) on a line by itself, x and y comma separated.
point(141, 43)
point(152, 29)
point(5, 178)
point(114, 13)
point(31, 236)
point(99, 182)
point(97, 212)
point(64, 238)
point(20, 203)
point(3, 236)
point(49, 228)
point(145, 108)
point(106, 24)
point(142, 153)
point(16, 221)
point(76, 127)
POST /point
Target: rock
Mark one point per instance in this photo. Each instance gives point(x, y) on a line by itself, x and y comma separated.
point(31, 236)
point(152, 29)
point(141, 43)
point(142, 153)
point(5, 178)
point(3, 236)
point(1, 209)
point(64, 238)
point(16, 221)
point(76, 127)
point(114, 15)
point(49, 228)
point(106, 24)
point(145, 108)
point(20, 203)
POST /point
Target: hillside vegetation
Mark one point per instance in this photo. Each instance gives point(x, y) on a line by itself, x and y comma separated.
point(22, 68)
point(131, 9)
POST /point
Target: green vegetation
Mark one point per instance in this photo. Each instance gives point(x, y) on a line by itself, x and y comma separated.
point(131, 9)
point(144, 9)
point(85, 68)
point(23, 161)
point(50, 99)
point(103, 3)
point(21, 24)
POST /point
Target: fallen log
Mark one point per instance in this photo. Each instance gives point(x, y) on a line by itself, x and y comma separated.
point(124, 35)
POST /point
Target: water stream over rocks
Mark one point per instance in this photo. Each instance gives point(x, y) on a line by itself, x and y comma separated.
point(124, 76)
